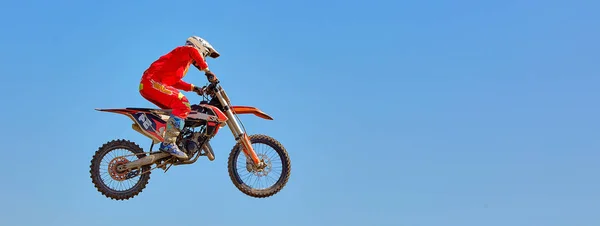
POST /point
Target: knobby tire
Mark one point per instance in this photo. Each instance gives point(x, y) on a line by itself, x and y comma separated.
point(95, 170)
point(281, 182)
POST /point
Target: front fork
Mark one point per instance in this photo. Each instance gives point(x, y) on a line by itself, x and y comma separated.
point(237, 132)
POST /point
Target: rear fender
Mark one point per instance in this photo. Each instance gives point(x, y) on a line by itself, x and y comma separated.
point(149, 122)
point(250, 110)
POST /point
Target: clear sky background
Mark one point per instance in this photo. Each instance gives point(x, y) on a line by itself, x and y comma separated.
point(416, 113)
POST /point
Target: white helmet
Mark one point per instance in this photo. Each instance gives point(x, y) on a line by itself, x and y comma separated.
point(203, 46)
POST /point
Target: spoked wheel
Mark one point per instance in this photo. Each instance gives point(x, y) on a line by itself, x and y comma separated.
point(260, 182)
point(107, 172)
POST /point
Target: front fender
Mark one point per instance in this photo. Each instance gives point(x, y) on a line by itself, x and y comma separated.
point(250, 110)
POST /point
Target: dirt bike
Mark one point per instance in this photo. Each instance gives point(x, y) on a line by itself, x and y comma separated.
point(203, 123)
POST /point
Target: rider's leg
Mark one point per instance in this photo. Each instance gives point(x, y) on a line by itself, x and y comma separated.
point(168, 98)
point(180, 109)
point(152, 91)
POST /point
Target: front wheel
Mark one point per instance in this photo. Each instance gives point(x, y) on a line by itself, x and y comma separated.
point(255, 182)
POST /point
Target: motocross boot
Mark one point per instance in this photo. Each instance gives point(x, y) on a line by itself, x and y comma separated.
point(174, 127)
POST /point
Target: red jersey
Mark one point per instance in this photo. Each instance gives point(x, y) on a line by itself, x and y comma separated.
point(170, 68)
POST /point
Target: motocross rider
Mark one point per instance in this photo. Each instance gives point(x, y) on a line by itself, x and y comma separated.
point(161, 82)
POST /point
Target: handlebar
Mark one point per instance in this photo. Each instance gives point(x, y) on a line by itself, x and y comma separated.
point(212, 86)
point(211, 77)
point(211, 89)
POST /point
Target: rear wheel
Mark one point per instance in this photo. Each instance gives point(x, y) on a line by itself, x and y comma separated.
point(255, 182)
point(107, 176)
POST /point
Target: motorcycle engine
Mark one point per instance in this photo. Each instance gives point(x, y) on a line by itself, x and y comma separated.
point(190, 144)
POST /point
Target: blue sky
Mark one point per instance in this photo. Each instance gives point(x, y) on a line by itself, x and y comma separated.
point(417, 113)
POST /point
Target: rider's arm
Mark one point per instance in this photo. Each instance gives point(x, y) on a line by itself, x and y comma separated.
point(182, 85)
point(199, 61)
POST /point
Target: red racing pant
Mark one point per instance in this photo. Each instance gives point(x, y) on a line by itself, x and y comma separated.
point(165, 97)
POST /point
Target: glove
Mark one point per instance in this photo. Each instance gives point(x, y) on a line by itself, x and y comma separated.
point(211, 77)
point(198, 90)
